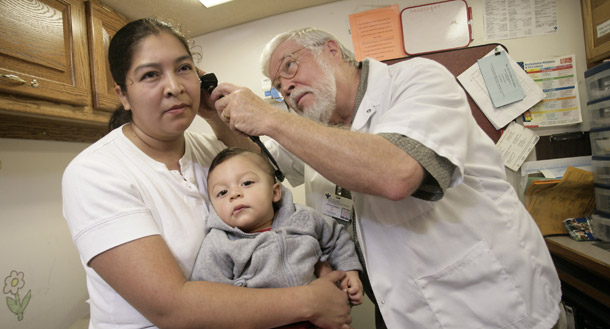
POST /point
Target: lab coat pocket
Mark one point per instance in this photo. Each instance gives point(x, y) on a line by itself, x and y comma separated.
point(473, 292)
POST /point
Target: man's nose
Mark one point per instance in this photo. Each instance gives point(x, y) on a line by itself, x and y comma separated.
point(287, 86)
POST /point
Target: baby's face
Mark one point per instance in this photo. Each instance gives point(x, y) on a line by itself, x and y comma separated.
point(242, 193)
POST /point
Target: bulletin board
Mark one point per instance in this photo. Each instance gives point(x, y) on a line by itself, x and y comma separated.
point(436, 26)
point(457, 61)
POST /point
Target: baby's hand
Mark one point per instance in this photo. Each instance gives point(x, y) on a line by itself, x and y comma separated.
point(352, 285)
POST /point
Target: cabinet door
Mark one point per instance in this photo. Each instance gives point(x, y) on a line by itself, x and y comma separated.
point(103, 23)
point(596, 23)
point(43, 52)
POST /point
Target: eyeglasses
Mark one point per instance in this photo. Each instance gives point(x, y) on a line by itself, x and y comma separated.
point(287, 69)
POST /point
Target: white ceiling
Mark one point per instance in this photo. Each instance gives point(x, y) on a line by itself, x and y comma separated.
point(195, 19)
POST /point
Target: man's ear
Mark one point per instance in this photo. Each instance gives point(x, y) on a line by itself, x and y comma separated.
point(277, 192)
point(334, 49)
point(122, 97)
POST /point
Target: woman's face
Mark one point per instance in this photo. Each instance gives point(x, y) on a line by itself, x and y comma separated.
point(162, 87)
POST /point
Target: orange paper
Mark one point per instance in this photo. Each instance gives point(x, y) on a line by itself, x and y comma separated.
point(377, 34)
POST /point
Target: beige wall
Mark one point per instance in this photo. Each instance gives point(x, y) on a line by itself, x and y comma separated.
point(34, 238)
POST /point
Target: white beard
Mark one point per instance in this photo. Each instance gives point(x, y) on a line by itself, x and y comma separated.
point(325, 94)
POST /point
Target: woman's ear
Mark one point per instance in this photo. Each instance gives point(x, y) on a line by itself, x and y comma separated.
point(277, 192)
point(122, 98)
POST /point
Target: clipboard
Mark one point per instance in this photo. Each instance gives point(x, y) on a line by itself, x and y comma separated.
point(436, 26)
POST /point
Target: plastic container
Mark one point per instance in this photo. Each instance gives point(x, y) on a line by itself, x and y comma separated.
point(600, 112)
point(602, 199)
point(600, 142)
point(600, 226)
point(597, 80)
point(601, 171)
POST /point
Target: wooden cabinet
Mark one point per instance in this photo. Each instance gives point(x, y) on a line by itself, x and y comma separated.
point(44, 52)
point(596, 24)
point(46, 89)
point(102, 23)
point(584, 270)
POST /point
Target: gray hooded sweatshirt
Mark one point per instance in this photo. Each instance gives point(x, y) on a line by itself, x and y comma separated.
point(285, 256)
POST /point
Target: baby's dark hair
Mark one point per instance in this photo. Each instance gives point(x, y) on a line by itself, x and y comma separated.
point(231, 152)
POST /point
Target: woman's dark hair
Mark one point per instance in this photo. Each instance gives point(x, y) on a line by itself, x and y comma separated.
point(120, 55)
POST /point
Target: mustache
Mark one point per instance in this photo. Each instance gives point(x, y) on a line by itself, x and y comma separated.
point(296, 94)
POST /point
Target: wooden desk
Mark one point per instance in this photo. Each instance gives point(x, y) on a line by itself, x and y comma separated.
point(583, 266)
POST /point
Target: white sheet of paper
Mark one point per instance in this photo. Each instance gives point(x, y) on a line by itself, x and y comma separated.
point(509, 19)
point(556, 166)
point(515, 144)
point(472, 80)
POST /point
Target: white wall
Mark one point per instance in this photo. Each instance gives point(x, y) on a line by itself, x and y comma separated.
point(34, 238)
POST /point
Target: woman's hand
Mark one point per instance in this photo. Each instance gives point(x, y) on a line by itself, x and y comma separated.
point(330, 306)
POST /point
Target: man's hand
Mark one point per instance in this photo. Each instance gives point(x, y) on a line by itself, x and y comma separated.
point(242, 110)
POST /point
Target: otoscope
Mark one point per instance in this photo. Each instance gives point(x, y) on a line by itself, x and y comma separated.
point(208, 83)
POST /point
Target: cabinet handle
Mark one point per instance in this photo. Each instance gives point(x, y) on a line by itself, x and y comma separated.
point(13, 79)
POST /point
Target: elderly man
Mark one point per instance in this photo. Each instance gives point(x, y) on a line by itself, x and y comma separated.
point(445, 240)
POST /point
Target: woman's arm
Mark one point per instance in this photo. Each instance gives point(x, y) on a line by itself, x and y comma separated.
point(145, 273)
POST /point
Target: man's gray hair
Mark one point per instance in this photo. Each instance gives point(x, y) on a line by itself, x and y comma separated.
point(310, 38)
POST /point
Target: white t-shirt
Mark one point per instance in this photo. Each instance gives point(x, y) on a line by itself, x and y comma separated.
point(113, 193)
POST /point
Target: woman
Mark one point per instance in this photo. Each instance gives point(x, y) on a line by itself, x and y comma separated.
point(134, 204)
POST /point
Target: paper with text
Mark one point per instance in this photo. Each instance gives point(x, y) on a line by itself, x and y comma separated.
point(377, 34)
point(507, 19)
point(500, 79)
point(561, 104)
point(472, 81)
point(515, 144)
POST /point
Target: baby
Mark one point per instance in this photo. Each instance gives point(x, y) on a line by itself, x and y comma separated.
point(257, 237)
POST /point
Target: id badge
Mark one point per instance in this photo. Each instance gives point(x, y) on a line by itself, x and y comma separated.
point(337, 207)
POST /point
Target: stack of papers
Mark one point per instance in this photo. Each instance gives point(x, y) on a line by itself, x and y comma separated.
point(474, 82)
point(550, 202)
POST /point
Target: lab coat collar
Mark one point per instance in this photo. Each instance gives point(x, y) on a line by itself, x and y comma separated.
point(378, 85)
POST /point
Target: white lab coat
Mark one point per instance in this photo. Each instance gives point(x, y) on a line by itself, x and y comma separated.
point(475, 258)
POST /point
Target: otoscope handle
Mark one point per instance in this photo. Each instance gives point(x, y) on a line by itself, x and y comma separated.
point(278, 173)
